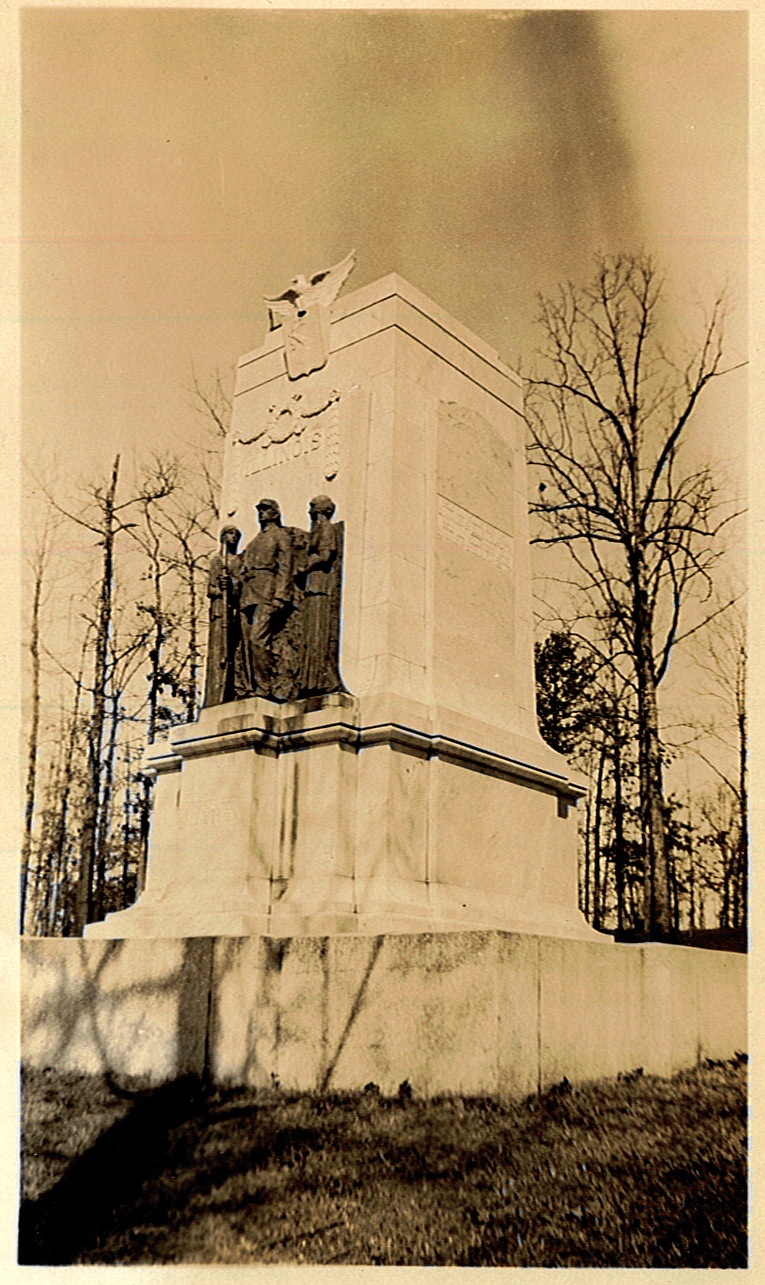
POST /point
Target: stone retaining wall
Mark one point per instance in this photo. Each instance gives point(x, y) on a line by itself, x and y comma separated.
point(466, 1012)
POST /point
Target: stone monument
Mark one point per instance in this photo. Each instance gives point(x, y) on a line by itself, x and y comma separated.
point(368, 759)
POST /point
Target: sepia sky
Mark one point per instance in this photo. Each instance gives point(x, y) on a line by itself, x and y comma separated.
point(179, 164)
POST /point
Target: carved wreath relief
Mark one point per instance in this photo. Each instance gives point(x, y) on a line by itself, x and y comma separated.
point(298, 427)
point(275, 609)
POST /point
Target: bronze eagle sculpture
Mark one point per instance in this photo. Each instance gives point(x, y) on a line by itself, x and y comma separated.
point(301, 294)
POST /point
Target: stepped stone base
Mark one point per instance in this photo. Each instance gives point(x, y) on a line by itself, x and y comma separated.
point(348, 815)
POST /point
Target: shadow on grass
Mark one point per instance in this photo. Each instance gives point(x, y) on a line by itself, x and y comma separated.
point(126, 1197)
point(71, 1217)
point(629, 1175)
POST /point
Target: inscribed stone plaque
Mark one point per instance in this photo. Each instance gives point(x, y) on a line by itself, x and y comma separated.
point(214, 815)
point(289, 431)
point(475, 466)
point(474, 598)
point(290, 448)
point(474, 534)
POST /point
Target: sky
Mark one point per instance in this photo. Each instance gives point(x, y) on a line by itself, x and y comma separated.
point(177, 165)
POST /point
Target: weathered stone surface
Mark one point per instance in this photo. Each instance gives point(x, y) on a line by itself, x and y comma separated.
point(605, 982)
point(463, 1012)
point(345, 818)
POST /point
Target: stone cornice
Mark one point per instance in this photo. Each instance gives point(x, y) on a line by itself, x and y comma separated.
point(420, 321)
point(286, 740)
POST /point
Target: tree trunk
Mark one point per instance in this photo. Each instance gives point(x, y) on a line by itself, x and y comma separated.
point(674, 890)
point(34, 733)
point(596, 873)
point(60, 841)
point(656, 901)
point(618, 823)
point(48, 846)
point(743, 793)
point(691, 870)
point(89, 837)
point(585, 898)
point(691, 888)
point(105, 810)
point(193, 696)
point(126, 829)
point(155, 675)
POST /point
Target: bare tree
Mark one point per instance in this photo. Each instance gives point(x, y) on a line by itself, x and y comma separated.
point(50, 878)
point(39, 561)
point(189, 530)
point(106, 531)
point(159, 481)
point(103, 517)
point(608, 419)
point(719, 834)
point(89, 807)
point(212, 401)
point(584, 709)
point(723, 662)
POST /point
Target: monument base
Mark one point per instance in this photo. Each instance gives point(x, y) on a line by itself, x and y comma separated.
point(472, 1012)
point(146, 919)
point(345, 815)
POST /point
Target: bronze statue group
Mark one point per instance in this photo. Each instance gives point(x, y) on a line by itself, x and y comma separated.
point(275, 609)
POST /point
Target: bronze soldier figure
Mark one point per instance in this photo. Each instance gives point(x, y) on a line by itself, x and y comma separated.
point(266, 591)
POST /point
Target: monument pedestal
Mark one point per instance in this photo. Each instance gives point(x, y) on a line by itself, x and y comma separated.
point(427, 800)
point(344, 814)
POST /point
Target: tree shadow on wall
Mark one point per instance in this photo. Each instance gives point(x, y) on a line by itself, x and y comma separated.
point(146, 1173)
point(85, 991)
point(73, 1214)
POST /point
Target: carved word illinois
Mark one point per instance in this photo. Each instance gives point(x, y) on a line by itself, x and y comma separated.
point(291, 431)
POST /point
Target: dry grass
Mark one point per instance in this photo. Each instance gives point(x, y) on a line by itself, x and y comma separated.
point(638, 1172)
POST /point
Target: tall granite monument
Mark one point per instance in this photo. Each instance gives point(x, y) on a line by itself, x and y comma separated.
point(368, 759)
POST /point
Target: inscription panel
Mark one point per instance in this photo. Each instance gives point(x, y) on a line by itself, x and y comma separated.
point(212, 823)
point(289, 431)
point(475, 466)
point(474, 534)
point(215, 814)
point(282, 452)
point(297, 441)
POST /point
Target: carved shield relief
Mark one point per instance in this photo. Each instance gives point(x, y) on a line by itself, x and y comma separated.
point(306, 340)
